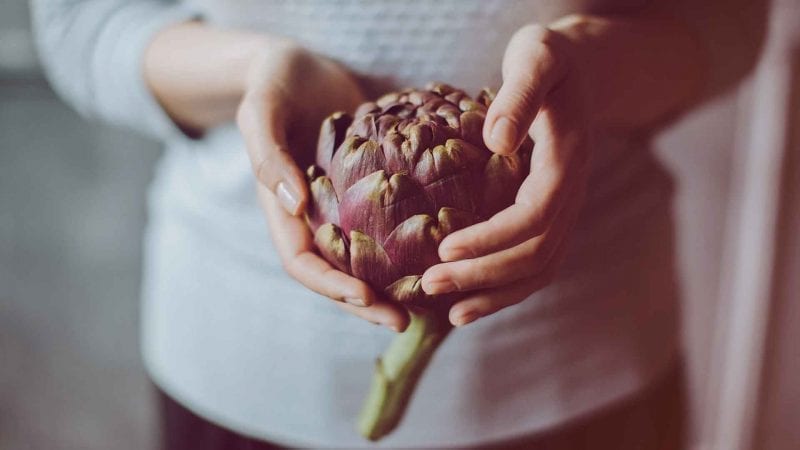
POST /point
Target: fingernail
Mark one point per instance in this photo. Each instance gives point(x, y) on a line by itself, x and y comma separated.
point(438, 287)
point(287, 197)
point(466, 318)
point(395, 328)
point(355, 301)
point(504, 133)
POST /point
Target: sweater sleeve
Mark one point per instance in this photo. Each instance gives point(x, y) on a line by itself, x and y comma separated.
point(92, 54)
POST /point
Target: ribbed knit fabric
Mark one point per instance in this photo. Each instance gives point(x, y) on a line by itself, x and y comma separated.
point(227, 333)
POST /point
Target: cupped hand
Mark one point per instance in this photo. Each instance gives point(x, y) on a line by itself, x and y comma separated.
point(289, 92)
point(504, 259)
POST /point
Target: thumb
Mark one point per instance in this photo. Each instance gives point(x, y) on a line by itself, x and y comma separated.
point(263, 126)
point(531, 68)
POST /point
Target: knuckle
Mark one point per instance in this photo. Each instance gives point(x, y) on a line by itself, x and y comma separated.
point(532, 33)
point(479, 277)
point(262, 172)
point(548, 54)
point(539, 40)
point(485, 276)
point(543, 45)
point(525, 99)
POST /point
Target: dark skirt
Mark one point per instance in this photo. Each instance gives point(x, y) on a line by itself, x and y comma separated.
point(653, 420)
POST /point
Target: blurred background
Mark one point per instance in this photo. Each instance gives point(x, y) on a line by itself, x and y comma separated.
point(71, 219)
point(72, 214)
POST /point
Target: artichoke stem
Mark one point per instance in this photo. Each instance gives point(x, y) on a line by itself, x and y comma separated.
point(398, 371)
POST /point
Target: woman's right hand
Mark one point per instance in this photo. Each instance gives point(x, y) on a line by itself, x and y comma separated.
point(289, 91)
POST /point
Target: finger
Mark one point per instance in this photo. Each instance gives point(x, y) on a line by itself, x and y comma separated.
point(531, 69)
point(504, 267)
point(381, 312)
point(263, 125)
point(489, 301)
point(558, 167)
point(295, 248)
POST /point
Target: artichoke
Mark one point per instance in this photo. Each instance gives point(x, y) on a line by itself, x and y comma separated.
point(390, 182)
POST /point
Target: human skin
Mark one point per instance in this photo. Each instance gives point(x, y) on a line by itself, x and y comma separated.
point(562, 84)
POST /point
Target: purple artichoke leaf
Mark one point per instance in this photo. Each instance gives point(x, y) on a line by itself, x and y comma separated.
point(413, 245)
point(356, 159)
point(324, 205)
point(375, 205)
point(366, 108)
point(333, 246)
point(369, 261)
point(407, 290)
point(364, 127)
point(454, 191)
point(452, 220)
point(502, 178)
point(471, 123)
point(331, 135)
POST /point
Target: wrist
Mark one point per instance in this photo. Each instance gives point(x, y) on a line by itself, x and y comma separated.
point(263, 55)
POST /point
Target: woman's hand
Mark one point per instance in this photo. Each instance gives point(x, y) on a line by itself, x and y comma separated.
point(516, 252)
point(289, 92)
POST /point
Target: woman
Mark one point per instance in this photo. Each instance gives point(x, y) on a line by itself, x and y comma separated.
point(246, 357)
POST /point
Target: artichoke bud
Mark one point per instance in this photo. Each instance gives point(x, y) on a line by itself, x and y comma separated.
point(406, 171)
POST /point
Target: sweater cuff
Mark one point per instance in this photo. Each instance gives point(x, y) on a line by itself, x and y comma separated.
point(121, 93)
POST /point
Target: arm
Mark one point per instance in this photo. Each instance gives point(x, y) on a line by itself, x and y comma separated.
point(582, 75)
point(656, 63)
point(199, 73)
point(92, 51)
point(146, 65)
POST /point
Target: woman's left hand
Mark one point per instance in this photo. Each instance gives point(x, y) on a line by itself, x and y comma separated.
point(503, 260)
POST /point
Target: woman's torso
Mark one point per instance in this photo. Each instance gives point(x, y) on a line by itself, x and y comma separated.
point(231, 336)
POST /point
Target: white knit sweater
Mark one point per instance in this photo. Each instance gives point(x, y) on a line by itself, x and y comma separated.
point(228, 334)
